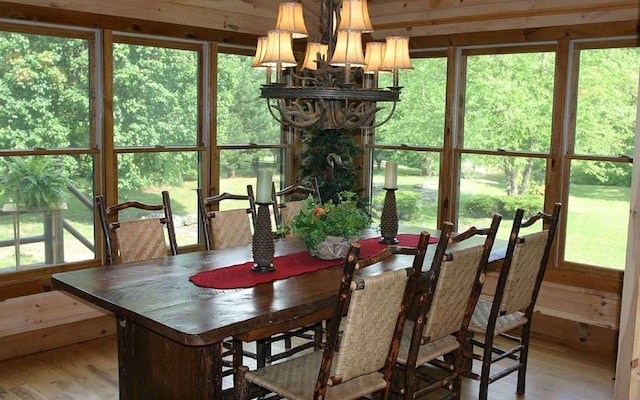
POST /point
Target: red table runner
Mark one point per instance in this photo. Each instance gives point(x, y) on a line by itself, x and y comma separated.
point(241, 276)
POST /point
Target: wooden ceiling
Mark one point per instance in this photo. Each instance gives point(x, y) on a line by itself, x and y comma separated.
point(241, 21)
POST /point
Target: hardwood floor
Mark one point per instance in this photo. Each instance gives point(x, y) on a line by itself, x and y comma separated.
point(89, 371)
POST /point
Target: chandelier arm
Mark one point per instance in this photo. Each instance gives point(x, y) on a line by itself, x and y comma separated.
point(270, 108)
point(393, 109)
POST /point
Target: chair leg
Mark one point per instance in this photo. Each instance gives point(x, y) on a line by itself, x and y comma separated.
point(263, 353)
point(317, 336)
point(524, 354)
point(241, 384)
point(410, 380)
point(485, 373)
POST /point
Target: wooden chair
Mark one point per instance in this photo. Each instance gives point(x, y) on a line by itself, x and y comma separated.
point(226, 228)
point(442, 310)
point(285, 205)
point(139, 239)
point(363, 337)
point(513, 302)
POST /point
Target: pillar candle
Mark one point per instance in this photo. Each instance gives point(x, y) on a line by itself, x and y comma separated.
point(263, 186)
point(391, 175)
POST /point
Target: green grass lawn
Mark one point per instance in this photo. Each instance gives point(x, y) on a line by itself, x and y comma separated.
point(593, 211)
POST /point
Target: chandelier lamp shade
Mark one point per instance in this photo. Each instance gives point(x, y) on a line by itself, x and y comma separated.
point(336, 85)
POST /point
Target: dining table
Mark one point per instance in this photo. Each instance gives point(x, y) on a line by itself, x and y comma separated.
point(170, 330)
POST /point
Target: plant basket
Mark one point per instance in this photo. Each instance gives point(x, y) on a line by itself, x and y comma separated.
point(333, 248)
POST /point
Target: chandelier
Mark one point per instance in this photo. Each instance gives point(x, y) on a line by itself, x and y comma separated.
point(336, 86)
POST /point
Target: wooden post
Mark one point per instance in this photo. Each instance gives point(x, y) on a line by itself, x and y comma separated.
point(627, 378)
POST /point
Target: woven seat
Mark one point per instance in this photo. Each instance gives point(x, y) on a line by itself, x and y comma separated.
point(363, 337)
point(513, 302)
point(137, 239)
point(442, 310)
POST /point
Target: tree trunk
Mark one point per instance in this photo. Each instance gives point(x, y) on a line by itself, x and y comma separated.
point(526, 177)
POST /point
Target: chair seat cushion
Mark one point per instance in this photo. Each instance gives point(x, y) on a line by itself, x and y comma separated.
point(428, 351)
point(505, 323)
point(296, 378)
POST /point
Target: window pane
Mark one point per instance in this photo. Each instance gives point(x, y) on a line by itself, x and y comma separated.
point(598, 214)
point(417, 194)
point(494, 184)
point(419, 116)
point(46, 212)
point(243, 116)
point(508, 101)
point(239, 169)
point(143, 177)
point(44, 92)
point(155, 96)
point(607, 77)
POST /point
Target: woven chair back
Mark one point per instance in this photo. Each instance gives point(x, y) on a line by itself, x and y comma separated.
point(143, 238)
point(521, 280)
point(139, 240)
point(452, 292)
point(288, 211)
point(231, 228)
point(369, 325)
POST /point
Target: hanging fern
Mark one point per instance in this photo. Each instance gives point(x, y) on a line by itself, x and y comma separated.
point(34, 182)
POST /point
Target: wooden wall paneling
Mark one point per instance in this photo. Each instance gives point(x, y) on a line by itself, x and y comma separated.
point(627, 369)
point(43, 321)
point(123, 24)
point(250, 20)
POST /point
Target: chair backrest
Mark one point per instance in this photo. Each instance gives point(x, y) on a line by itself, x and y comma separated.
point(227, 228)
point(285, 207)
point(367, 339)
point(525, 262)
point(454, 282)
point(139, 239)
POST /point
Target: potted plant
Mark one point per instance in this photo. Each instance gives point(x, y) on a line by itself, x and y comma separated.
point(327, 229)
point(34, 182)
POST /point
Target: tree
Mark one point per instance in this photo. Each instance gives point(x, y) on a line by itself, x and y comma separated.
point(242, 115)
point(419, 116)
point(155, 104)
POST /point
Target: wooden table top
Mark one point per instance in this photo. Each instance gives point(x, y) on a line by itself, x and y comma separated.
point(158, 295)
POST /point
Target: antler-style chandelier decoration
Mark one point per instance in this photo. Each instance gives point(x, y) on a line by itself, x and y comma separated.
point(336, 84)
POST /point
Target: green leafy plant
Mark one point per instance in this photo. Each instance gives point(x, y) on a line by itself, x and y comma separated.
point(34, 182)
point(317, 221)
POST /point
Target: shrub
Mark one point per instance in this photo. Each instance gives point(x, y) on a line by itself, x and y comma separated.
point(408, 205)
point(530, 203)
point(484, 206)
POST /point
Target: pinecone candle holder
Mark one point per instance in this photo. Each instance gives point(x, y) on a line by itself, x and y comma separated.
point(389, 219)
point(263, 245)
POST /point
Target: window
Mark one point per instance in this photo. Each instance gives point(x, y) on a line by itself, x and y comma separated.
point(506, 136)
point(413, 138)
point(599, 158)
point(156, 128)
point(46, 154)
point(248, 137)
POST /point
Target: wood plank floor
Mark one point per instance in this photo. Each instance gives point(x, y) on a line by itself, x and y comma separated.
point(89, 371)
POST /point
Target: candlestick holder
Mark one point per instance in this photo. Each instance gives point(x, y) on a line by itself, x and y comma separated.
point(263, 245)
point(389, 219)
